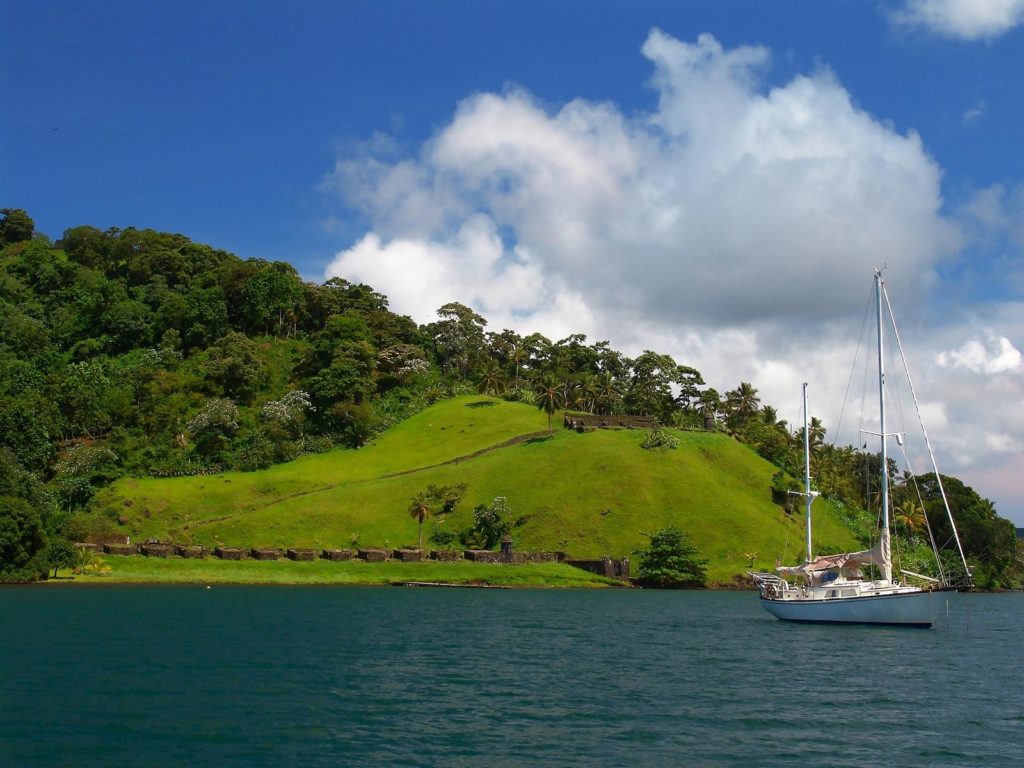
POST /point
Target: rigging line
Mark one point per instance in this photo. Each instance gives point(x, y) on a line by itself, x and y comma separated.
point(924, 513)
point(853, 368)
point(924, 431)
point(893, 382)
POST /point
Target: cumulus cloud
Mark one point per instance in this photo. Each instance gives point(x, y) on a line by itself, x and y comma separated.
point(964, 19)
point(735, 226)
point(757, 192)
point(996, 354)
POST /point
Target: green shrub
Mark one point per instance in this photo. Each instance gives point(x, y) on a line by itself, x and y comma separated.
point(670, 561)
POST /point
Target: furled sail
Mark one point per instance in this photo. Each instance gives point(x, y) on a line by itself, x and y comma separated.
point(846, 564)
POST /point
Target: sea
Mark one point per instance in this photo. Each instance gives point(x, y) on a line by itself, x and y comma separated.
point(337, 676)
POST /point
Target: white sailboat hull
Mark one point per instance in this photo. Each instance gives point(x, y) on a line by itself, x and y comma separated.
point(910, 609)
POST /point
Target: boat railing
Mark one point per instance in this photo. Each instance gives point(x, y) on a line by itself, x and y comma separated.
point(770, 585)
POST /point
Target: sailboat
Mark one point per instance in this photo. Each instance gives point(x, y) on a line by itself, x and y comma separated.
point(830, 588)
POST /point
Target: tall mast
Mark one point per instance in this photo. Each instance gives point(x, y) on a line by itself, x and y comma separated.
point(886, 564)
point(808, 498)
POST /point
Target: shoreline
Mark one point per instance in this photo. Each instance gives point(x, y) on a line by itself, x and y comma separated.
point(137, 569)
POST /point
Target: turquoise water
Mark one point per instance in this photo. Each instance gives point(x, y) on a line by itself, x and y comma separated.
point(305, 676)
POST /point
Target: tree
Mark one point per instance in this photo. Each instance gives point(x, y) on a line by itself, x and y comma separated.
point(60, 554)
point(491, 523)
point(21, 541)
point(550, 396)
point(608, 394)
point(287, 413)
point(16, 226)
point(910, 516)
point(271, 297)
point(650, 387)
point(742, 403)
point(491, 380)
point(458, 337)
point(670, 561)
point(214, 425)
point(235, 364)
point(420, 509)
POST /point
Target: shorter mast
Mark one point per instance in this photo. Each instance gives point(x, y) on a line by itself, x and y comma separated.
point(808, 497)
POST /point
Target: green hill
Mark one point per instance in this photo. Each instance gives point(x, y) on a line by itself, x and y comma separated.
point(587, 494)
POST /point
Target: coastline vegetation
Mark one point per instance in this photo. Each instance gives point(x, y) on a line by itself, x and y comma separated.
point(158, 387)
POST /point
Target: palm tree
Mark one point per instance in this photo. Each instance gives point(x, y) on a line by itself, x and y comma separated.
point(742, 402)
point(550, 396)
point(608, 393)
point(420, 510)
point(910, 516)
point(492, 380)
point(589, 389)
point(519, 354)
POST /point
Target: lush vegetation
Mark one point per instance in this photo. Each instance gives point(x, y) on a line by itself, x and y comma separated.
point(671, 561)
point(132, 355)
point(588, 494)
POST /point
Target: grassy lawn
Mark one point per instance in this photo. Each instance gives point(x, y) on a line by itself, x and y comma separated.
point(589, 494)
point(138, 569)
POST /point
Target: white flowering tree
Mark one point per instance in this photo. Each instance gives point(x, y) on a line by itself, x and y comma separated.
point(214, 426)
point(288, 412)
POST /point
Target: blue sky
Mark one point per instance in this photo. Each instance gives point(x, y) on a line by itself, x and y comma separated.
point(352, 138)
point(219, 119)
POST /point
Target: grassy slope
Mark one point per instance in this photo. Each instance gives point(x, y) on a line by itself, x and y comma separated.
point(587, 494)
point(142, 570)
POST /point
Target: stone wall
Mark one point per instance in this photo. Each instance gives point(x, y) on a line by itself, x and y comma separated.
point(336, 554)
point(606, 566)
point(265, 554)
point(618, 569)
point(445, 555)
point(595, 421)
point(408, 555)
point(156, 550)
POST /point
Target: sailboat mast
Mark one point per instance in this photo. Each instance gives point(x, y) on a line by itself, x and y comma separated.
point(886, 564)
point(808, 498)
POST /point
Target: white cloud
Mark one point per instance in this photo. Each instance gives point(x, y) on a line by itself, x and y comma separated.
point(993, 355)
point(965, 19)
point(974, 114)
point(763, 195)
point(735, 227)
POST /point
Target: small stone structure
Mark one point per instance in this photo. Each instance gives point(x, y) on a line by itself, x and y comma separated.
point(265, 554)
point(373, 555)
point(156, 550)
point(191, 551)
point(585, 421)
point(336, 554)
point(408, 555)
point(301, 554)
point(606, 566)
point(229, 553)
point(120, 549)
point(445, 555)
